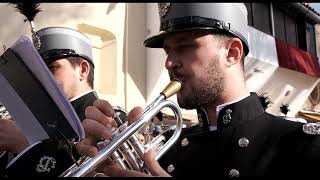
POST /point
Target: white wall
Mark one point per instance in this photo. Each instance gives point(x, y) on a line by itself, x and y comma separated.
point(262, 47)
point(263, 75)
point(282, 86)
point(135, 66)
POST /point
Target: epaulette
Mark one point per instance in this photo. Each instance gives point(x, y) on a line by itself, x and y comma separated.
point(311, 128)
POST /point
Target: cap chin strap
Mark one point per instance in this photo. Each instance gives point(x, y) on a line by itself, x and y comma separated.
point(192, 22)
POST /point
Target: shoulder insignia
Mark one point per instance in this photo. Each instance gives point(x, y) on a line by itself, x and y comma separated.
point(45, 164)
point(311, 128)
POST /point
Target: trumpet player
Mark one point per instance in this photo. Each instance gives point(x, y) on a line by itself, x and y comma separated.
point(206, 45)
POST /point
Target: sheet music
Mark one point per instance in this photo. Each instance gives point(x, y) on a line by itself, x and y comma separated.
point(31, 128)
point(24, 48)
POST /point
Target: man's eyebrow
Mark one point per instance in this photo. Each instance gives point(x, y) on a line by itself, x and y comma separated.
point(178, 40)
point(53, 64)
point(181, 40)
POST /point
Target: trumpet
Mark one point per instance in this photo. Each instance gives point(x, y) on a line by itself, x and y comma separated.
point(123, 138)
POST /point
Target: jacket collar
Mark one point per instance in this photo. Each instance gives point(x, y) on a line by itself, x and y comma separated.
point(240, 112)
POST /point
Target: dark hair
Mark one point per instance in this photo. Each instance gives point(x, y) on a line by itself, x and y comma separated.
point(75, 61)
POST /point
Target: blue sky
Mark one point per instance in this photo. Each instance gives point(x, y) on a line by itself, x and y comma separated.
point(316, 6)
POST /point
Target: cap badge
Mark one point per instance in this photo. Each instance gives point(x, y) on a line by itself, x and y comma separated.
point(163, 9)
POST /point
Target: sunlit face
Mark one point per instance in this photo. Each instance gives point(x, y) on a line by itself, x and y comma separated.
point(66, 76)
point(194, 58)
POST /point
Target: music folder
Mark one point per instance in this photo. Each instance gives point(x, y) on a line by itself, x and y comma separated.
point(33, 98)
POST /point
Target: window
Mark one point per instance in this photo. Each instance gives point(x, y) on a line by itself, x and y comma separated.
point(249, 9)
point(310, 39)
point(279, 27)
point(296, 31)
point(285, 27)
point(261, 17)
point(291, 30)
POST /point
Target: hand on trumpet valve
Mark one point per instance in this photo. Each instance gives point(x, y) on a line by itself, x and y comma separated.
point(98, 126)
point(149, 157)
point(112, 136)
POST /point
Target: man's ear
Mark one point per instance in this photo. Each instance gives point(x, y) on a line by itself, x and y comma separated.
point(84, 69)
point(235, 51)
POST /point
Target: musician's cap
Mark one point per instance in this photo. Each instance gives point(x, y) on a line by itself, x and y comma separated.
point(221, 17)
point(60, 42)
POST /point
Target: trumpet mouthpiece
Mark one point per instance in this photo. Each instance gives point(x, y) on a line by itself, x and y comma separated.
point(172, 88)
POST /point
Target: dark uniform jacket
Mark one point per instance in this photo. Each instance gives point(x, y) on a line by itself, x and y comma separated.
point(248, 142)
point(47, 158)
point(3, 162)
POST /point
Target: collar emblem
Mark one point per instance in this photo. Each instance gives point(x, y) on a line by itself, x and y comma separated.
point(45, 164)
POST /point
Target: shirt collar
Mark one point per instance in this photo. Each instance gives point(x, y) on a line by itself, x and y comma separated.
point(221, 106)
point(80, 95)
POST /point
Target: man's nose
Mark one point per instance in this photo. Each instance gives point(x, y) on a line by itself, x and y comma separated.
point(172, 62)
